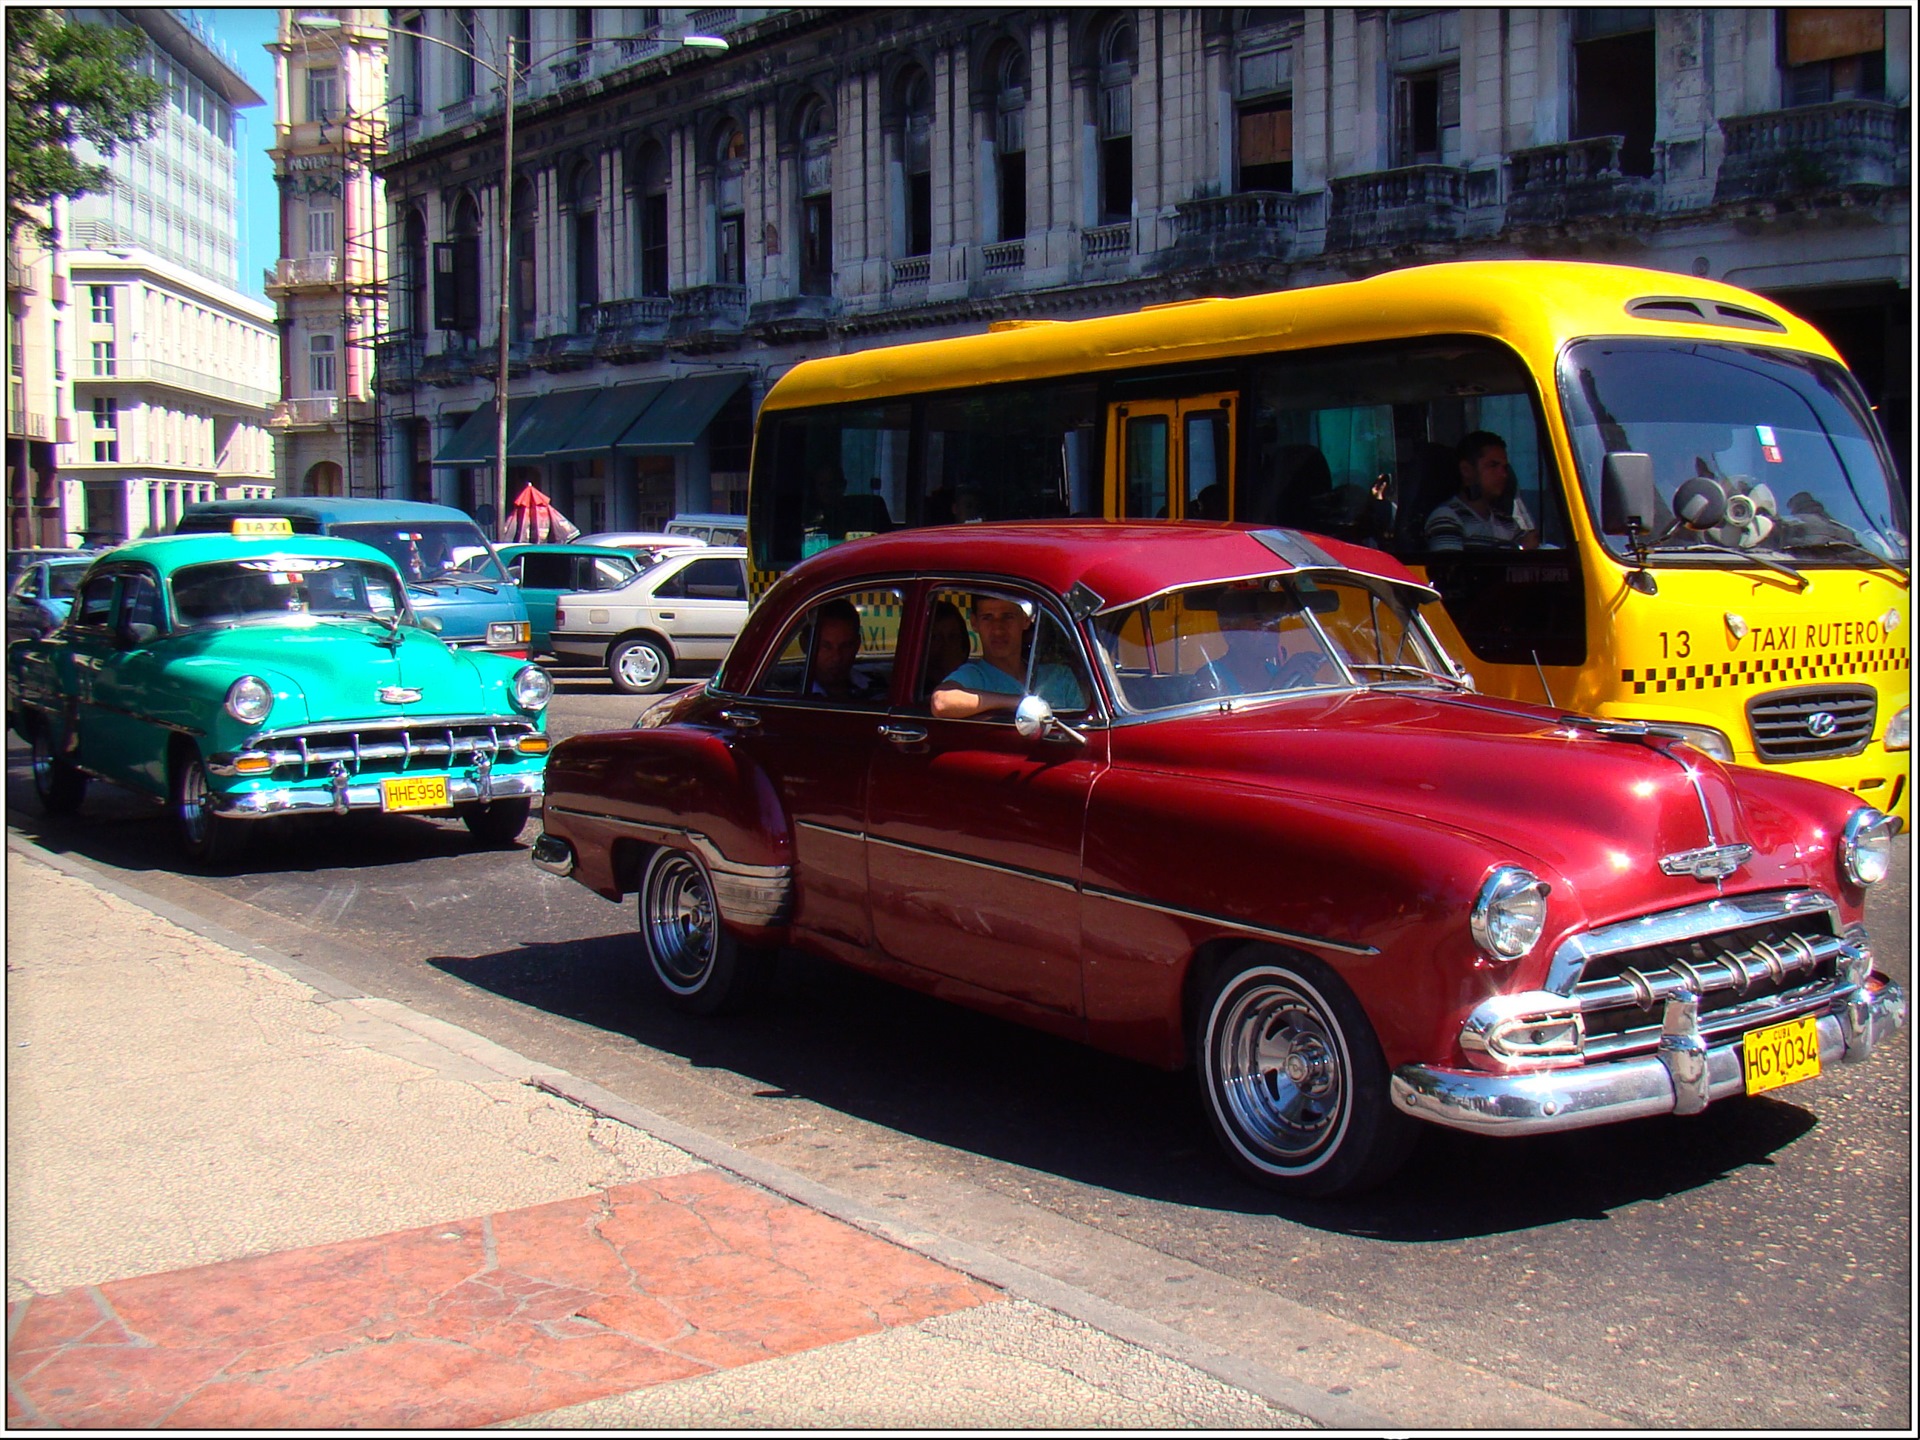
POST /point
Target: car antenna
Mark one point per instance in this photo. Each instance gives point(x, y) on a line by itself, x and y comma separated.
point(1546, 688)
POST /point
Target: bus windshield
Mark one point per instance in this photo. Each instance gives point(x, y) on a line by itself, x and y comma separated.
point(1789, 432)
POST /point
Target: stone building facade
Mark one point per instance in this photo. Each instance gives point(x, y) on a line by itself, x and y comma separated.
point(687, 221)
point(329, 282)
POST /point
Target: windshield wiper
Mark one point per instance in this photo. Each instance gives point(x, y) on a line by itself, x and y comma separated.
point(1418, 671)
point(1750, 556)
point(1852, 547)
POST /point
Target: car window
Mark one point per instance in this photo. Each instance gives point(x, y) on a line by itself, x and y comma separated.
point(425, 550)
point(140, 619)
point(95, 606)
point(1050, 664)
point(839, 652)
point(63, 580)
point(225, 592)
point(606, 573)
point(26, 585)
point(545, 572)
point(710, 579)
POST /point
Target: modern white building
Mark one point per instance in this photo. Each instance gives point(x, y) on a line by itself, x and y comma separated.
point(329, 283)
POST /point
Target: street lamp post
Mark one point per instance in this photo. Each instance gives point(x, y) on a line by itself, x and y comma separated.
point(507, 79)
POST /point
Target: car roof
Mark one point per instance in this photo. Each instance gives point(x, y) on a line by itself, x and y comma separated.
point(572, 547)
point(636, 537)
point(732, 521)
point(167, 553)
point(331, 508)
point(1121, 562)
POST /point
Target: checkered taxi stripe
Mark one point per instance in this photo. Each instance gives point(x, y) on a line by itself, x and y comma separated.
point(1765, 670)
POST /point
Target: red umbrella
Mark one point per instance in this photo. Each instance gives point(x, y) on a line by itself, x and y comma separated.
point(533, 520)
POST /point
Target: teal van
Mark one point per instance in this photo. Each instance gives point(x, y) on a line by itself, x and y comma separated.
point(453, 576)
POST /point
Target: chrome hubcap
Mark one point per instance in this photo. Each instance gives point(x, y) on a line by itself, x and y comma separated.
point(1281, 1075)
point(196, 805)
point(681, 929)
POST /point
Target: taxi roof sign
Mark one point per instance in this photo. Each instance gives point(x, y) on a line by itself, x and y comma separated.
point(262, 525)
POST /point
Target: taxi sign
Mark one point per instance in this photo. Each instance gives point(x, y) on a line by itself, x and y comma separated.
point(261, 525)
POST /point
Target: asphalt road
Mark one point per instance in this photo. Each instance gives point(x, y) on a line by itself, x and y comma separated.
point(1751, 1267)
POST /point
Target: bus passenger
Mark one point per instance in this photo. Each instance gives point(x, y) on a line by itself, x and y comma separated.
point(1485, 514)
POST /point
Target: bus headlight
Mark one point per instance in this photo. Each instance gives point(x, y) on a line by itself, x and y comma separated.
point(1510, 913)
point(1866, 847)
point(249, 699)
point(1900, 729)
point(1704, 738)
point(532, 689)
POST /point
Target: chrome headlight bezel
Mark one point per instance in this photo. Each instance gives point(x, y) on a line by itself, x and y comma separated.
point(249, 700)
point(532, 689)
point(1706, 739)
point(1510, 914)
point(1866, 847)
point(1900, 729)
point(508, 634)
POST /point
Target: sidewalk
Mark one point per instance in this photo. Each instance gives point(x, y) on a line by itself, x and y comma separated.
point(241, 1194)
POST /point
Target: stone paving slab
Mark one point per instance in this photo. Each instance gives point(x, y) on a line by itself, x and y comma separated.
point(471, 1322)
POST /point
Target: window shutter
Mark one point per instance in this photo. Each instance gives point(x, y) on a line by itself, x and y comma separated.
point(466, 283)
point(446, 305)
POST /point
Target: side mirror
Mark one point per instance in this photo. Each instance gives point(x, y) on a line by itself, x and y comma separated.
point(1628, 500)
point(430, 623)
point(1034, 717)
point(135, 633)
point(1702, 503)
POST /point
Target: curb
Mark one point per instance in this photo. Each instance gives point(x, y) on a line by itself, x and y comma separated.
point(1329, 1411)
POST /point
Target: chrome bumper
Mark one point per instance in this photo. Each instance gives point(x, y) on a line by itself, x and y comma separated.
point(553, 855)
point(1682, 1078)
point(258, 804)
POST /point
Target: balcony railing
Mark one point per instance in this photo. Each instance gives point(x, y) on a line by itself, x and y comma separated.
point(396, 363)
point(1418, 204)
point(1248, 225)
point(1814, 148)
point(305, 270)
point(30, 424)
point(708, 317)
point(1578, 180)
point(179, 377)
point(19, 276)
point(1107, 242)
point(1004, 258)
point(913, 270)
point(314, 410)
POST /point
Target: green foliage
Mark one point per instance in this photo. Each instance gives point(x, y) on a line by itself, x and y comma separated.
point(67, 82)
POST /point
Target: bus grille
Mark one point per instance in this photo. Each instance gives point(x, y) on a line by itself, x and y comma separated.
point(1812, 724)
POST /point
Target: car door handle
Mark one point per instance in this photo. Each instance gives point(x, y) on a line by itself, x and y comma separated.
point(904, 734)
point(740, 719)
point(666, 615)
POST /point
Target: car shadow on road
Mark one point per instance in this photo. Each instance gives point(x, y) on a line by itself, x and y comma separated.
point(1063, 1112)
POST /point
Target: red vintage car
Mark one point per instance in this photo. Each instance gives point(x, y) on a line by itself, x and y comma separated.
point(1213, 794)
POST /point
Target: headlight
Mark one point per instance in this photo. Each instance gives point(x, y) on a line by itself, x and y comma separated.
point(1704, 738)
point(532, 688)
point(249, 699)
point(504, 634)
point(1900, 729)
point(1510, 914)
point(1866, 848)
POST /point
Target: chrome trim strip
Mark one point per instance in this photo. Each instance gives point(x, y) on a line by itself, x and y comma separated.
point(393, 722)
point(1689, 922)
point(553, 855)
point(255, 804)
point(1206, 917)
point(1552, 1100)
point(1038, 876)
point(830, 830)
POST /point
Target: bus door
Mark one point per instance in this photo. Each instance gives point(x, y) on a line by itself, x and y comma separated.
point(1171, 459)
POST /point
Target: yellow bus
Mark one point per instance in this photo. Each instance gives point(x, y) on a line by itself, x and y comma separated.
point(1712, 535)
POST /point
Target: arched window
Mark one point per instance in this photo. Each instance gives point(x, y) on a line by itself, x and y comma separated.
point(730, 170)
point(325, 478)
point(650, 219)
point(815, 133)
point(1009, 69)
point(456, 272)
point(1118, 60)
point(526, 250)
point(413, 272)
point(916, 109)
point(584, 195)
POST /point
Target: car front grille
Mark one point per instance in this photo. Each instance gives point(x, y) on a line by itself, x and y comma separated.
point(390, 749)
point(1812, 724)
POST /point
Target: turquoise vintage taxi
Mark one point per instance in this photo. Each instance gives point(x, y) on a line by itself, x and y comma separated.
point(254, 674)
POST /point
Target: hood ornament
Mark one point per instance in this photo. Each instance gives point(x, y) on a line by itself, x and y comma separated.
point(398, 695)
point(1712, 862)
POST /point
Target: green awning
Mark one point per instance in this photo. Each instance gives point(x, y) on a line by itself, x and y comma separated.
point(553, 428)
point(678, 418)
point(477, 442)
point(609, 417)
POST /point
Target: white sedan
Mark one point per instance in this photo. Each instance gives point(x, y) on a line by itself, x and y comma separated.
point(681, 614)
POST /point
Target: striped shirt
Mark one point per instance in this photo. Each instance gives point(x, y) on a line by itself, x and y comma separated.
point(1454, 525)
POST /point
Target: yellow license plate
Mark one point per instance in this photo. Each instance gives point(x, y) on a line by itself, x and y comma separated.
point(422, 792)
point(1781, 1054)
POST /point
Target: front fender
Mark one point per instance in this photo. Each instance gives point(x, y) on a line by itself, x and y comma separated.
point(608, 793)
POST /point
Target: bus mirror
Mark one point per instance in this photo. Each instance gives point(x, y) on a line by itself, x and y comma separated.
point(1627, 496)
point(1701, 503)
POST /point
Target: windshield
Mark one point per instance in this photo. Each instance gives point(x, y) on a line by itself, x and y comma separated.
point(1787, 431)
point(1246, 639)
point(429, 550)
point(279, 586)
point(63, 580)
